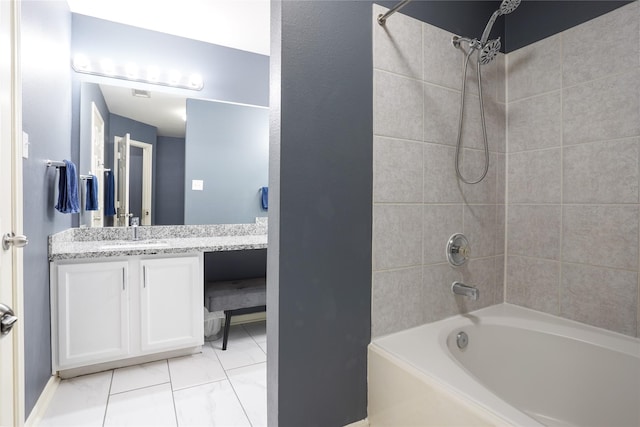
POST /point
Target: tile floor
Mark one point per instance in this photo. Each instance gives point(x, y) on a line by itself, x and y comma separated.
point(213, 388)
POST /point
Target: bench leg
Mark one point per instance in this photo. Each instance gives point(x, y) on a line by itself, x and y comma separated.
point(227, 325)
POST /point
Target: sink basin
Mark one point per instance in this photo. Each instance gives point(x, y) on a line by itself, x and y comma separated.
point(135, 244)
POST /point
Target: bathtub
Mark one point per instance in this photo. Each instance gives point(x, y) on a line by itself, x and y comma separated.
point(520, 367)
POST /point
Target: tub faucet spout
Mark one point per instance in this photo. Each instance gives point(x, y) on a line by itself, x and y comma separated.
point(459, 288)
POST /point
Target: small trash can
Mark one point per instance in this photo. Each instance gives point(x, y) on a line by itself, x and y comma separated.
point(213, 324)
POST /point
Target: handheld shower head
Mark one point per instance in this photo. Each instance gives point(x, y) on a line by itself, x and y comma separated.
point(506, 7)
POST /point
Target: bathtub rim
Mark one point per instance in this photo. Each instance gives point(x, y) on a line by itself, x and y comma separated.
point(445, 370)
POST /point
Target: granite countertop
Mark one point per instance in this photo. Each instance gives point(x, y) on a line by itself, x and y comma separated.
point(78, 243)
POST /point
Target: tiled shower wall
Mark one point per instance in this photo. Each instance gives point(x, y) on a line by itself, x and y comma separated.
point(418, 202)
point(572, 184)
point(573, 181)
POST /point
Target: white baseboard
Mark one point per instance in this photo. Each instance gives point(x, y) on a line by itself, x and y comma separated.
point(43, 402)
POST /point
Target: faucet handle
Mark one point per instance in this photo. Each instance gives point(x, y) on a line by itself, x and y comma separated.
point(134, 221)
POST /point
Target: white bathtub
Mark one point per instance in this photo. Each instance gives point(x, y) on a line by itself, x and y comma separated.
point(520, 367)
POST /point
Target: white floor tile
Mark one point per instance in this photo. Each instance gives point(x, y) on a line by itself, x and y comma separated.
point(138, 376)
point(213, 404)
point(241, 350)
point(80, 401)
point(151, 406)
point(257, 330)
point(196, 369)
point(250, 384)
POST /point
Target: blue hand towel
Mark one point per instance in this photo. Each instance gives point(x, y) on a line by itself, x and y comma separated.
point(265, 198)
point(92, 193)
point(68, 189)
point(109, 194)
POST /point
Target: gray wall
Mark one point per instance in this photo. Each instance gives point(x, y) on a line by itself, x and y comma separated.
point(418, 202)
point(169, 200)
point(573, 178)
point(226, 147)
point(46, 110)
point(321, 153)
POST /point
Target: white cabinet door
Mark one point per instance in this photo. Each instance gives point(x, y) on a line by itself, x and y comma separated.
point(93, 313)
point(171, 303)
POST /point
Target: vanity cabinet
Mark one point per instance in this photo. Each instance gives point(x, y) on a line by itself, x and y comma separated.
point(93, 312)
point(109, 310)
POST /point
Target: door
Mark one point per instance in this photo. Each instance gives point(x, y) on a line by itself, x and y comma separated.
point(11, 344)
point(121, 162)
point(92, 313)
point(141, 186)
point(171, 304)
point(97, 162)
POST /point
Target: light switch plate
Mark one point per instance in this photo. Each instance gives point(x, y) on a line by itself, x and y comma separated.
point(197, 184)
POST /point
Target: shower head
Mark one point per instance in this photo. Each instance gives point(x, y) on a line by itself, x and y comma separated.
point(489, 51)
point(506, 7)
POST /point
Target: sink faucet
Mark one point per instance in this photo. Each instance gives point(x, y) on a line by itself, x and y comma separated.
point(135, 222)
point(459, 288)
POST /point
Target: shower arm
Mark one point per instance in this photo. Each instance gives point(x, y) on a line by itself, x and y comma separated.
point(382, 19)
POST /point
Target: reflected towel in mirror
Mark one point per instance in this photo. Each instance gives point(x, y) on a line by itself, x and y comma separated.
point(109, 194)
point(92, 193)
point(265, 197)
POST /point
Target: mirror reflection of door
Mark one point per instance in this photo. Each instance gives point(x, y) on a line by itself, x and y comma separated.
point(134, 170)
point(97, 162)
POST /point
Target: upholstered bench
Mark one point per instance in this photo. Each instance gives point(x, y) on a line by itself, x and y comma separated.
point(236, 297)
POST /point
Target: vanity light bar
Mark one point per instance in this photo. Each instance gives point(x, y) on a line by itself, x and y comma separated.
point(130, 71)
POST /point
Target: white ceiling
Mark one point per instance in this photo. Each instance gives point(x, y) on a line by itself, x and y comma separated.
point(240, 24)
point(162, 110)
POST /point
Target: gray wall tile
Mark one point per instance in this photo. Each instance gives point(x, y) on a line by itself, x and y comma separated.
point(397, 170)
point(534, 176)
point(501, 78)
point(535, 122)
point(398, 301)
point(481, 274)
point(440, 181)
point(397, 106)
point(500, 282)
point(441, 111)
point(397, 236)
point(613, 42)
point(601, 235)
point(534, 231)
point(600, 297)
point(480, 229)
point(608, 108)
point(397, 46)
point(501, 178)
point(440, 301)
point(472, 165)
point(443, 63)
point(500, 229)
point(601, 172)
point(533, 283)
point(534, 69)
point(440, 222)
point(496, 122)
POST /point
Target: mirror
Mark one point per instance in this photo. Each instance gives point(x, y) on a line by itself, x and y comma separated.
point(223, 153)
point(173, 160)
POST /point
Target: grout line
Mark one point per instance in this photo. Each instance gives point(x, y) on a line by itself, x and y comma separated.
point(141, 388)
point(173, 398)
point(104, 418)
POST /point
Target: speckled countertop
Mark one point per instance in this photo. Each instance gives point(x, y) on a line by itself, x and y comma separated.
point(82, 243)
